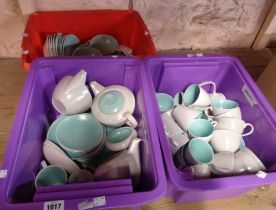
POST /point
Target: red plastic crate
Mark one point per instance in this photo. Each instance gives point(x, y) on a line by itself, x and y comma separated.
point(126, 26)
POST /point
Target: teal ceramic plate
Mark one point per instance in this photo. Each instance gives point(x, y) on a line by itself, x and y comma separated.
point(51, 134)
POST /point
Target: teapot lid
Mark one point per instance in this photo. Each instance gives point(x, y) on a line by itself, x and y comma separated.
point(111, 102)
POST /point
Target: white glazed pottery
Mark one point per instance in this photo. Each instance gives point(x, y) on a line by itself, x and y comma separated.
point(233, 113)
point(223, 163)
point(126, 164)
point(71, 95)
point(50, 175)
point(196, 96)
point(214, 94)
point(92, 154)
point(177, 141)
point(120, 138)
point(81, 176)
point(113, 105)
point(224, 108)
point(54, 155)
point(247, 162)
point(184, 115)
point(176, 136)
point(235, 124)
point(170, 126)
point(198, 151)
point(199, 171)
point(201, 128)
point(225, 141)
point(165, 102)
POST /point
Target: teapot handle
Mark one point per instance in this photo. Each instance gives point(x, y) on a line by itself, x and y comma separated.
point(131, 121)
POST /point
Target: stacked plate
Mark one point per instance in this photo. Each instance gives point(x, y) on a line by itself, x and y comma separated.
point(60, 45)
point(67, 131)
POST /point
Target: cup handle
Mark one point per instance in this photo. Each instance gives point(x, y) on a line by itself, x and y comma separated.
point(43, 164)
point(209, 83)
point(131, 121)
point(206, 112)
point(249, 132)
point(214, 123)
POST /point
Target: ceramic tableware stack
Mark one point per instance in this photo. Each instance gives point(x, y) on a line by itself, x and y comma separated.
point(205, 133)
point(92, 139)
point(59, 44)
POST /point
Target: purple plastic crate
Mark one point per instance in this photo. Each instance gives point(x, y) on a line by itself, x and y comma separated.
point(171, 74)
point(85, 186)
point(83, 193)
point(35, 113)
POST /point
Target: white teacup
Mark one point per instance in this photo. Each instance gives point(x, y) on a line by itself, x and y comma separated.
point(223, 163)
point(50, 175)
point(247, 162)
point(198, 151)
point(71, 95)
point(224, 108)
point(165, 102)
point(196, 96)
point(177, 141)
point(199, 171)
point(122, 165)
point(170, 126)
point(201, 128)
point(176, 136)
point(184, 115)
point(225, 141)
point(120, 138)
point(234, 124)
point(214, 94)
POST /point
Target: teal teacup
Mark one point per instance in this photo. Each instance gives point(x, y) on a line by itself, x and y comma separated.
point(51, 175)
point(80, 133)
point(110, 129)
point(224, 109)
point(165, 102)
point(196, 96)
point(201, 128)
point(120, 138)
point(198, 151)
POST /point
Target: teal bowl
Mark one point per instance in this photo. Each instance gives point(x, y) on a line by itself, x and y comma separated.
point(80, 133)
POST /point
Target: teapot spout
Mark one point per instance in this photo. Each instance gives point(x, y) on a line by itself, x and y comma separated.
point(77, 80)
point(96, 87)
